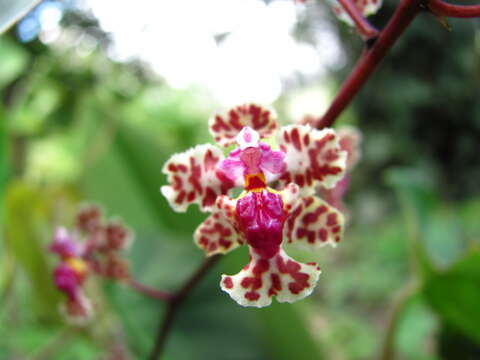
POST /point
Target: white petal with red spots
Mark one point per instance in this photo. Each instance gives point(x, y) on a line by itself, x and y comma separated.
point(226, 126)
point(290, 197)
point(219, 233)
point(194, 178)
point(278, 276)
point(350, 140)
point(313, 223)
point(313, 157)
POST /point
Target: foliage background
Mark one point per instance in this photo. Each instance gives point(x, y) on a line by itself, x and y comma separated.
point(78, 128)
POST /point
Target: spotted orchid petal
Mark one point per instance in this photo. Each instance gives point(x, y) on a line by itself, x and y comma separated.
point(335, 195)
point(195, 178)
point(313, 157)
point(350, 140)
point(264, 278)
point(226, 126)
point(219, 233)
point(290, 197)
point(366, 7)
point(313, 223)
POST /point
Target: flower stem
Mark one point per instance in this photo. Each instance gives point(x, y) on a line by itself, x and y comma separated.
point(443, 8)
point(368, 62)
point(149, 291)
point(364, 28)
point(174, 303)
point(387, 350)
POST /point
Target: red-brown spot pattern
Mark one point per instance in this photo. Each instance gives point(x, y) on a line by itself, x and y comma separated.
point(278, 276)
point(312, 156)
point(218, 233)
point(313, 222)
point(225, 127)
point(194, 178)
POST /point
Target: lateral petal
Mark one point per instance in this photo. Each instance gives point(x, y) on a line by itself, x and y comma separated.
point(195, 178)
point(313, 223)
point(219, 233)
point(313, 157)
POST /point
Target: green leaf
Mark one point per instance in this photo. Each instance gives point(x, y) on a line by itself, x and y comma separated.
point(455, 294)
point(4, 166)
point(287, 333)
point(14, 59)
point(27, 224)
point(414, 189)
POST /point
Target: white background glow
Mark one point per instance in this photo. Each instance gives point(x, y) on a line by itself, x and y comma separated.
point(177, 39)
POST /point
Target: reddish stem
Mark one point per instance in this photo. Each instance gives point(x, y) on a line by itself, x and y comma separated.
point(443, 8)
point(150, 291)
point(364, 28)
point(404, 14)
point(174, 303)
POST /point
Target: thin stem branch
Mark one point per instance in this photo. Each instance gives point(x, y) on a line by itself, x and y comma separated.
point(364, 28)
point(366, 65)
point(387, 350)
point(150, 291)
point(443, 8)
point(176, 301)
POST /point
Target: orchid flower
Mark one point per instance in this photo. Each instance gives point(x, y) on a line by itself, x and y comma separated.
point(70, 274)
point(262, 217)
point(93, 248)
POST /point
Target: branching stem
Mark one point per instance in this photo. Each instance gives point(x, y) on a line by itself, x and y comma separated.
point(175, 301)
point(368, 62)
point(442, 8)
point(364, 28)
point(150, 291)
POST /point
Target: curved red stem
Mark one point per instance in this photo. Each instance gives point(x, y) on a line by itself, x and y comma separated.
point(150, 291)
point(443, 8)
point(368, 62)
point(364, 28)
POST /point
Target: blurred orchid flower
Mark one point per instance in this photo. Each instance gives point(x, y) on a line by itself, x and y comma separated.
point(92, 248)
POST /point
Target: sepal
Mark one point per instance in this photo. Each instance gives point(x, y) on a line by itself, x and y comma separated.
point(225, 127)
point(195, 178)
point(313, 223)
point(313, 157)
point(219, 233)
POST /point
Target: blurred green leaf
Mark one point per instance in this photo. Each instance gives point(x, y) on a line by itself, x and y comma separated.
point(27, 223)
point(454, 295)
point(415, 329)
point(415, 192)
point(14, 59)
point(287, 333)
point(4, 169)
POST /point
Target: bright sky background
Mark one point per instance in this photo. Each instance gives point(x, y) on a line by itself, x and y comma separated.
point(176, 38)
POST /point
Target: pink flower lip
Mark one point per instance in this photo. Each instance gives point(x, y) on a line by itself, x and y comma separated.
point(262, 217)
